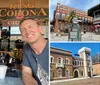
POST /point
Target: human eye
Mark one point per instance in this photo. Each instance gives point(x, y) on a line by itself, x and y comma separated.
point(22, 30)
point(31, 26)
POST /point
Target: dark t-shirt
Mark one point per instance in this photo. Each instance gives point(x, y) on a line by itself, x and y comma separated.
point(30, 58)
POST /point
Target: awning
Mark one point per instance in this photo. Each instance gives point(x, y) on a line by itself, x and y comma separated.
point(96, 22)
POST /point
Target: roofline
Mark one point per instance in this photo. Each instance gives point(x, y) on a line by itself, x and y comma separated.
point(61, 49)
point(74, 8)
point(96, 63)
point(77, 58)
point(94, 6)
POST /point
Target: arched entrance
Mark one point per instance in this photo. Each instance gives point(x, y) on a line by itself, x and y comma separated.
point(76, 73)
point(59, 72)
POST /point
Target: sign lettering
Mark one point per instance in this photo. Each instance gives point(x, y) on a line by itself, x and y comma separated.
point(37, 12)
point(23, 5)
point(73, 34)
point(9, 17)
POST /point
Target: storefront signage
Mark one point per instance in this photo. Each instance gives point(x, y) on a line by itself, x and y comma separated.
point(23, 5)
point(34, 12)
point(75, 20)
point(8, 16)
point(74, 32)
point(10, 22)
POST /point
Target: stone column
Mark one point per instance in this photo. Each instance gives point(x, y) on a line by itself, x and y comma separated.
point(85, 65)
point(82, 53)
point(56, 23)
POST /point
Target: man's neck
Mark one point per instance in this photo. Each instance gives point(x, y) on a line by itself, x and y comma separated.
point(39, 46)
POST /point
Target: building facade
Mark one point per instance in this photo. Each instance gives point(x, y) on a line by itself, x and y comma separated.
point(62, 11)
point(96, 64)
point(64, 66)
point(95, 13)
point(13, 11)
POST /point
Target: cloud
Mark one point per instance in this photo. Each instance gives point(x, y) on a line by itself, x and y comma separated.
point(54, 2)
point(79, 4)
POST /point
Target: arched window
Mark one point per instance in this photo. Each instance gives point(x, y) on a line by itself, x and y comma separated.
point(88, 56)
point(67, 61)
point(75, 62)
point(51, 59)
point(80, 63)
point(59, 60)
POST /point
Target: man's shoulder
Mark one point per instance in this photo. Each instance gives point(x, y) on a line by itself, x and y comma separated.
point(26, 47)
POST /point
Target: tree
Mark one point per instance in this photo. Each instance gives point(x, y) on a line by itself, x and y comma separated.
point(69, 17)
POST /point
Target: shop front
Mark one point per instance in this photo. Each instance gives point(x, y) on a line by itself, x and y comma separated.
point(11, 43)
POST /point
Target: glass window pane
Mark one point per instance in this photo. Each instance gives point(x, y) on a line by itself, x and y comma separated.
point(15, 30)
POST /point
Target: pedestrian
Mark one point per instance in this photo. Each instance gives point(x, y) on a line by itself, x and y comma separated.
point(84, 31)
point(35, 64)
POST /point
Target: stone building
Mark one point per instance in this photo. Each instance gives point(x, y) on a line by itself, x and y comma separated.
point(63, 65)
point(96, 64)
point(59, 18)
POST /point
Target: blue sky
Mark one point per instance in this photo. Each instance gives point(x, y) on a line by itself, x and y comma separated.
point(79, 4)
point(74, 47)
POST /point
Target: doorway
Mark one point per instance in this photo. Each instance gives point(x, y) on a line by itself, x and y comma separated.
point(76, 73)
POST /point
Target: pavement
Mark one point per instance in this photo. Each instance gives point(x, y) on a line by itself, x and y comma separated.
point(78, 81)
point(88, 36)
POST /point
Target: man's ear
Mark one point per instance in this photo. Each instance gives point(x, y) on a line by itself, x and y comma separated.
point(41, 30)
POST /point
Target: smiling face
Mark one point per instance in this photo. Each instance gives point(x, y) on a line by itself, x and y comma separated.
point(30, 31)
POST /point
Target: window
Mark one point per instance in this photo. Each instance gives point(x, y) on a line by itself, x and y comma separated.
point(80, 63)
point(15, 30)
point(88, 64)
point(5, 33)
point(5, 40)
point(87, 55)
point(51, 59)
point(60, 26)
point(75, 62)
point(60, 16)
point(66, 15)
point(67, 61)
point(59, 60)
